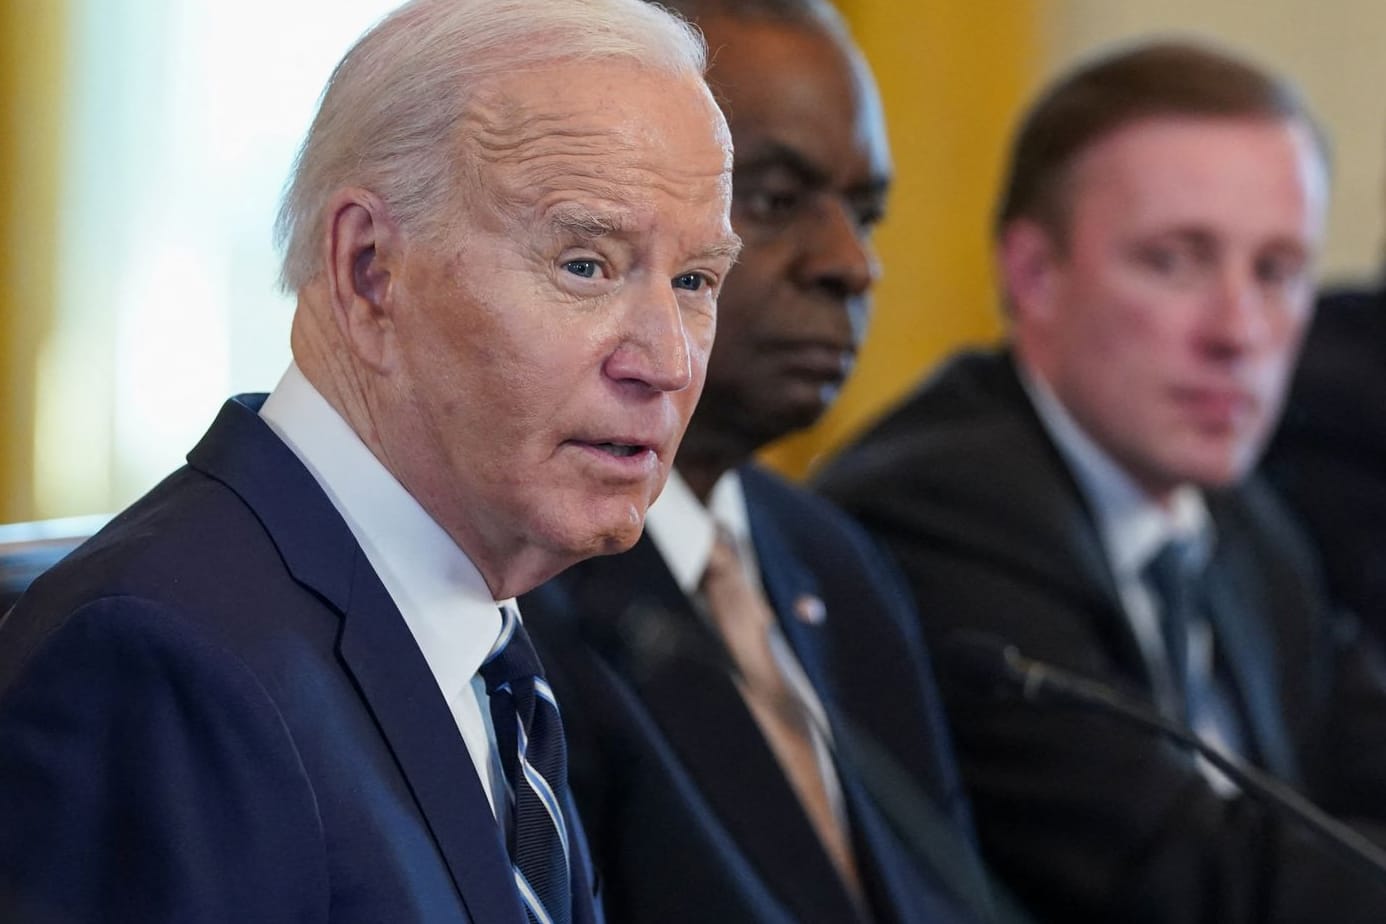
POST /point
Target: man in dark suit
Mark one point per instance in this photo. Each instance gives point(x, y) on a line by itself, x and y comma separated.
point(1329, 457)
point(1081, 494)
point(758, 737)
point(289, 683)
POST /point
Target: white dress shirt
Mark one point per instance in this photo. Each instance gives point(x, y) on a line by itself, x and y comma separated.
point(439, 592)
point(683, 531)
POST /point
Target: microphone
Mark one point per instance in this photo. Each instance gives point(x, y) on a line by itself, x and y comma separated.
point(985, 661)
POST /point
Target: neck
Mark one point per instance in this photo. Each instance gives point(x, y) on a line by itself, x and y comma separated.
point(705, 455)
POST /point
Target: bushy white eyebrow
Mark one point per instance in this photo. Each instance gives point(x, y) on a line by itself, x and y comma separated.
point(575, 219)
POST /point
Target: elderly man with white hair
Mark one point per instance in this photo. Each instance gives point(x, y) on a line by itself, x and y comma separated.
point(290, 683)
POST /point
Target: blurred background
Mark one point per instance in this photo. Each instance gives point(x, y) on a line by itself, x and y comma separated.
point(143, 144)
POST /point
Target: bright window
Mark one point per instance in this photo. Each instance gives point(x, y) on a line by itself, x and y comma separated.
point(185, 118)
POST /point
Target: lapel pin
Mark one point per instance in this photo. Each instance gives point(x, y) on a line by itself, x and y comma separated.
point(810, 610)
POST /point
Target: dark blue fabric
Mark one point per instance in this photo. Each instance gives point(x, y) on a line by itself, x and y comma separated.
point(213, 712)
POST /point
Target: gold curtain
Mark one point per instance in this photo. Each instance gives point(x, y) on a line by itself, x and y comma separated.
point(952, 76)
point(33, 36)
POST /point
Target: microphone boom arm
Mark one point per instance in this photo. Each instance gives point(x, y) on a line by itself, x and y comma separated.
point(1038, 680)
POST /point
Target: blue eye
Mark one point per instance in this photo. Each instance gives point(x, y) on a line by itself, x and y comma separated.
point(587, 269)
point(690, 281)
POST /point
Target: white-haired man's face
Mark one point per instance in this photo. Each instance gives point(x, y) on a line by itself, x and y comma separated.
point(551, 350)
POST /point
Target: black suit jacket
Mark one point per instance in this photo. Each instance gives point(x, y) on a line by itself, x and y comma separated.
point(1329, 457)
point(690, 817)
point(212, 711)
point(1088, 817)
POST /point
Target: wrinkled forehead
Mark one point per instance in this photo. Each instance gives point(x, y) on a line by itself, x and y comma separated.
point(616, 131)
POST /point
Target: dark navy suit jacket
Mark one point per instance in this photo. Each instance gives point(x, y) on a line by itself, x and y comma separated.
point(689, 815)
point(212, 711)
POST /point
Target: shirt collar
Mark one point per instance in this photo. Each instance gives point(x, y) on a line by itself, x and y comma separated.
point(683, 529)
point(1134, 527)
point(439, 592)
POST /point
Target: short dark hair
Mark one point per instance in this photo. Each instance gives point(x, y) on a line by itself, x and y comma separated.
point(1165, 78)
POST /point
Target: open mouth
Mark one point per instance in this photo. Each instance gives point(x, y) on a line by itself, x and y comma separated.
point(620, 450)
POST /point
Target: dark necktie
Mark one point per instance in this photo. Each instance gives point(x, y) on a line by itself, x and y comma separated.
point(1209, 704)
point(1173, 576)
point(529, 736)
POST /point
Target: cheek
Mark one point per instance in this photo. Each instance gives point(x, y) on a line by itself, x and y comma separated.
point(1278, 361)
point(1131, 326)
point(706, 334)
point(1288, 329)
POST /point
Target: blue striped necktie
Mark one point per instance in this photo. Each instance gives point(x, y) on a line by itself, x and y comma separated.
point(529, 736)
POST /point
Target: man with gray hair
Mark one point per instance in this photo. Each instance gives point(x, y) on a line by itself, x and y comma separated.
point(290, 683)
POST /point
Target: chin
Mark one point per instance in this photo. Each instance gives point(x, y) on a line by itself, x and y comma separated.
point(1216, 474)
point(613, 530)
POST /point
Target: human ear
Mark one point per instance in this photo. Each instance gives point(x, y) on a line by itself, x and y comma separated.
point(1028, 258)
point(363, 249)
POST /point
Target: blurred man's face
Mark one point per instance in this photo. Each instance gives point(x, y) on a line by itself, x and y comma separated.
point(1170, 319)
point(812, 170)
point(553, 349)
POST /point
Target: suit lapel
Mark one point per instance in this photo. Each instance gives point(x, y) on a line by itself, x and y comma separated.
point(684, 681)
point(1242, 646)
point(811, 630)
point(376, 647)
point(1057, 540)
point(794, 596)
point(899, 891)
point(397, 684)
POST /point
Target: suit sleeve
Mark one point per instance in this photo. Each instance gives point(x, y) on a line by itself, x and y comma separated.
point(146, 776)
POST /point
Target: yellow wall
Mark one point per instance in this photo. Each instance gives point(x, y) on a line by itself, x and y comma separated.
point(952, 76)
point(32, 39)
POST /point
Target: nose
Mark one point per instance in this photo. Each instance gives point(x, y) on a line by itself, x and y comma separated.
point(1240, 317)
point(653, 351)
point(838, 259)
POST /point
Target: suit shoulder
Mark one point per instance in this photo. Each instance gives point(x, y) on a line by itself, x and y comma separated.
point(1254, 514)
point(190, 549)
point(187, 533)
point(808, 517)
point(970, 412)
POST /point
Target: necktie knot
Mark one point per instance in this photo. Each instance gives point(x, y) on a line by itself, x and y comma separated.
point(512, 657)
point(1174, 570)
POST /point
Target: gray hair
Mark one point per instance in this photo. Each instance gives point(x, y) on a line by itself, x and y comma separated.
point(388, 117)
point(792, 12)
